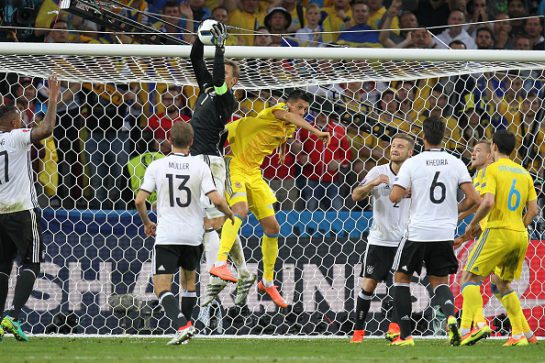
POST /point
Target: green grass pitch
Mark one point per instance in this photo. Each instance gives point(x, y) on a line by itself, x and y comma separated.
point(201, 350)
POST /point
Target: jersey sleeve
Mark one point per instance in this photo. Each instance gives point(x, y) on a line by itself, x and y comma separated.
point(371, 175)
point(150, 179)
point(207, 183)
point(403, 178)
point(464, 174)
point(488, 181)
point(21, 138)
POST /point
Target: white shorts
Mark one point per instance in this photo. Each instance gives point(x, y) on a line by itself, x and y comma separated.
point(217, 166)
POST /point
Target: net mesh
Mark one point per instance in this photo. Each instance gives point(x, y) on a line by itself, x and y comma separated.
point(113, 120)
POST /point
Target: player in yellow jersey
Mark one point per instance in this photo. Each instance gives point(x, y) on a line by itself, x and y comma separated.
point(251, 140)
point(507, 188)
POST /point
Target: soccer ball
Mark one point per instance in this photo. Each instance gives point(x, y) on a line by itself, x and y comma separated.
point(203, 31)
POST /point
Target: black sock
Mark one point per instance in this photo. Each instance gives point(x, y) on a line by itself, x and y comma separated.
point(170, 305)
point(362, 308)
point(189, 300)
point(444, 298)
point(4, 279)
point(392, 314)
point(403, 307)
point(23, 289)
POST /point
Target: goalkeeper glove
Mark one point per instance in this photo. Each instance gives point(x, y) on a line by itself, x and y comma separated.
point(219, 32)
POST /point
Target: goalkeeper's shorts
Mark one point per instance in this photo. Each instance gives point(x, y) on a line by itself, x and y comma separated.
point(248, 186)
point(498, 250)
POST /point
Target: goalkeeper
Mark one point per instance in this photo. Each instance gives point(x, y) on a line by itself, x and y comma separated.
point(214, 107)
point(251, 140)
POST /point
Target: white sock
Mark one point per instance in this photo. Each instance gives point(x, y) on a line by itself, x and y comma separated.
point(267, 283)
point(528, 334)
point(211, 241)
point(464, 331)
point(237, 254)
point(220, 263)
point(518, 336)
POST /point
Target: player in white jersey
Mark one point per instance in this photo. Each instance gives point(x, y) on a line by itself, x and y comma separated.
point(20, 232)
point(433, 178)
point(179, 180)
point(389, 224)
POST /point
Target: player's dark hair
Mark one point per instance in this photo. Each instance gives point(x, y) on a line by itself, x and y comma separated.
point(299, 95)
point(171, 4)
point(405, 137)
point(434, 130)
point(505, 141)
point(181, 135)
point(234, 65)
point(6, 110)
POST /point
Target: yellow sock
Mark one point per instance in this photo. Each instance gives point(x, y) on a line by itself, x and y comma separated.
point(514, 311)
point(473, 303)
point(525, 326)
point(229, 233)
point(269, 248)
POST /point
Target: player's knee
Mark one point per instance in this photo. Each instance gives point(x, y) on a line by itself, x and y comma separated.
point(368, 285)
point(272, 229)
point(241, 210)
point(29, 266)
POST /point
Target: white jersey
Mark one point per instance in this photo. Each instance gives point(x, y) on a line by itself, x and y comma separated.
point(17, 192)
point(179, 180)
point(389, 219)
point(433, 177)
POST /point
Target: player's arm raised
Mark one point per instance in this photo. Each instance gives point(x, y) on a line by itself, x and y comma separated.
point(45, 128)
point(363, 191)
point(221, 204)
point(300, 122)
point(199, 66)
point(140, 203)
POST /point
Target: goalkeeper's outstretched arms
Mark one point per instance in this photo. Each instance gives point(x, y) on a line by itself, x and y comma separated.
point(204, 78)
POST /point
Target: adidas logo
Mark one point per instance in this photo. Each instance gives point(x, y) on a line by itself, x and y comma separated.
point(405, 317)
point(449, 302)
point(404, 267)
point(180, 315)
point(161, 268)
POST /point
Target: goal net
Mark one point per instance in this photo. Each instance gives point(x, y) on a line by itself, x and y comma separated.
point(118, 103)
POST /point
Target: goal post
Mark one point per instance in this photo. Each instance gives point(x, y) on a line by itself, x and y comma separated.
point(117, 106)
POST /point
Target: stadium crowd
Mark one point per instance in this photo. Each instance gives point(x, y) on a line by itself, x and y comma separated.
point(109, 133)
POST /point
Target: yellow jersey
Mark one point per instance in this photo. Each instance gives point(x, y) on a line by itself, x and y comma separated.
point(477, 183)
point(512, 187)
point(253, 138)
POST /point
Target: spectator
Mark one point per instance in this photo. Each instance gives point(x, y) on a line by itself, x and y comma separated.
point(321, 164)
point(199, 9)
point(523, 42)
point(46, 15)
point(277, 22)
point(484, 38)
point(291, 7)
point(478, 11)
point(433, 13)
point(245, 20)
point(173, 23)
point(474, 126)
point(335, 19)
point(221, 14)
point(136, 168)
point(517, 9)
point(533, 27)
point(58, 32)
point(377, 11)
point(421, 38)
point(361, 34)
point(530, 135)
point(457, 44)
point(455, 31)
point(262, 38)
point(502, 30)
point(438, 107)
point(175, 110)
point(407, 23)
point(135, 10)
point(509, 105)
point(108, 145)
point(406, 95)
point(311, 34)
